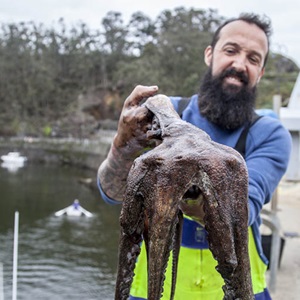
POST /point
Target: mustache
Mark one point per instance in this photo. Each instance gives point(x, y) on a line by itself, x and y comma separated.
point(233, 72)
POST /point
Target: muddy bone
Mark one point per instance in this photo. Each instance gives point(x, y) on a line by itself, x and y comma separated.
point(186, 161)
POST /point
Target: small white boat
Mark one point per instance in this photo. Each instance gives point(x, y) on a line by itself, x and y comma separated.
point(75, 210)
point(13, 157)
point(13, 161)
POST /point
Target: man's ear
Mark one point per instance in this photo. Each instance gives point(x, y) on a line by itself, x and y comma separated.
point(262, 72)
point(208, 55)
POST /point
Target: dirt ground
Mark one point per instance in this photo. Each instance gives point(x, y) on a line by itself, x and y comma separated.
point(288, 275)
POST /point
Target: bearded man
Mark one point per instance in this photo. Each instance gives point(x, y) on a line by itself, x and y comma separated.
point(223, 108)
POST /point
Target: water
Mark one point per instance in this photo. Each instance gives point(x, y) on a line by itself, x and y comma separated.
point(59, 257)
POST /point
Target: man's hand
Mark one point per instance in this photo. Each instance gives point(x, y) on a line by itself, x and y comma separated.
point(130, 141)
point(134, 122)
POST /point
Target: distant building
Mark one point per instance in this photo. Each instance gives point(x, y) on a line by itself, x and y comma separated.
point(290, 117)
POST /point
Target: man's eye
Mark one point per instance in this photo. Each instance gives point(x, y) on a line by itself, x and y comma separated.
point(254, 60)
point(230, 51)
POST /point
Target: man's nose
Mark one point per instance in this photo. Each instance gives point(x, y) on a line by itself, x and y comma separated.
point(239, 63)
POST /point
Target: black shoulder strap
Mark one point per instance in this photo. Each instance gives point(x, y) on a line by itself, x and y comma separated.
point(182, 104)
point(241, 143)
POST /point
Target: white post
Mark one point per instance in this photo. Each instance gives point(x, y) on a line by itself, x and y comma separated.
point(275, 223)
point(15, 258)
point(277, 104)
point(276, 108)
point(1, 282)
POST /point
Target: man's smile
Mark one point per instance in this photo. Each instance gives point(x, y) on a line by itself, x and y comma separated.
point(234, 80)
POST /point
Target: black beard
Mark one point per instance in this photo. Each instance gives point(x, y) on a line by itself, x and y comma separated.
point(228, 107)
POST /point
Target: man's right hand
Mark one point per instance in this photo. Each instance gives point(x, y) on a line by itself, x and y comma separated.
point(134, 122)
point(130, 141)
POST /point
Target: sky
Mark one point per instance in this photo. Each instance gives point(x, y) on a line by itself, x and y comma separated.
point(284, 14)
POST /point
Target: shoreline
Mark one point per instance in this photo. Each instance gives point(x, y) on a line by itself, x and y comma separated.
point(84, 153)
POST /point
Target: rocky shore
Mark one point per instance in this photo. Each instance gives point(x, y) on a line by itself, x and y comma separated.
point(85, 153)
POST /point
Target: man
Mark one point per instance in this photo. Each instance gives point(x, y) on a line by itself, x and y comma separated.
point(224, 107)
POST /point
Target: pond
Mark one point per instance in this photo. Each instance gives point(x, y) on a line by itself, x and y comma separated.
point(59, 257)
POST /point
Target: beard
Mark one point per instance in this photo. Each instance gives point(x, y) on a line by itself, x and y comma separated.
point(226, 106)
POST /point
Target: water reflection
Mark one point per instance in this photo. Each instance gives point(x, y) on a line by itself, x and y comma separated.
point(59, 257)
point(12, 167)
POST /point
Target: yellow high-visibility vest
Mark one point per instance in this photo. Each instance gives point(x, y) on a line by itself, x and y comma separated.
point(197, 277)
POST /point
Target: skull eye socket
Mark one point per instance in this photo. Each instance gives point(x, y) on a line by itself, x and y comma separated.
point(192, 193)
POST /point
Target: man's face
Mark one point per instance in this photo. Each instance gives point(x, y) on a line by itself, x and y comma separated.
point(241, 47)
point(228, 89)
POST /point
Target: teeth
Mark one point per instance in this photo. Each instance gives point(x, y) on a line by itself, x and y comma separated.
point(234, 80)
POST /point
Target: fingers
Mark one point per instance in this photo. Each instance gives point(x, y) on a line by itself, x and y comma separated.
point(137, 115)
point(139, 93)
point(135, 120)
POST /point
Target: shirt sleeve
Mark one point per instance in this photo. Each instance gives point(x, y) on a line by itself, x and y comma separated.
point(268, 149)
point(104, 196)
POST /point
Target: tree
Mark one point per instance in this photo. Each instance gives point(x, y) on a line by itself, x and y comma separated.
point(184, 34)
point(44, 71)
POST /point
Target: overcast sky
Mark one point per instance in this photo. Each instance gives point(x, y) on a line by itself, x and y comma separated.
point(283, 13)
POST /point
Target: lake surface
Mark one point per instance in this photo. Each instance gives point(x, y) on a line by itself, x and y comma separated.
point(59, 257)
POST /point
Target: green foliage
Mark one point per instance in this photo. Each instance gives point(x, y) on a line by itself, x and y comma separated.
point(279, 78)
point(45, 70)
point(47, 130)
